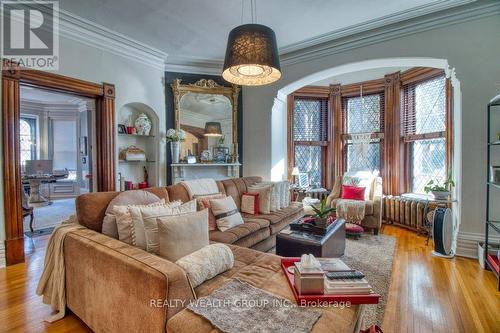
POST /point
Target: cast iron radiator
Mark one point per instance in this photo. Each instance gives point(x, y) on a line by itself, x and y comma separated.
point(404, 211)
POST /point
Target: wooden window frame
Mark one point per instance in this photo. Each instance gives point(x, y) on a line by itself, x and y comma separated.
point(311, 92)
point(415, 76)
point(373, 87)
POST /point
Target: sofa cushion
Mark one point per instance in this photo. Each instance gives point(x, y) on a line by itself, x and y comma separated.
point(276, 217)
point(232, 235)
point(254, 238)
point(261, 270)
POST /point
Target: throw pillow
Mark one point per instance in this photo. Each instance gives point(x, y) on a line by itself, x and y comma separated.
point(353, 192)
point(146, 226)
point(135, 197)
point(203, 202)
point(264, 197)
point(275, 195)
point(250, 203)
point(125, 224)
point(206, 263)
point(182, 235)
point(226, 213)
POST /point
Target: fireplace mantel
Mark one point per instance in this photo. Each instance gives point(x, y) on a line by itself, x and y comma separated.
point(217, 171)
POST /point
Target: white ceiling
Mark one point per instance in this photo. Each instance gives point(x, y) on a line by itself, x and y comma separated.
point(198, 29)
point(360, 76)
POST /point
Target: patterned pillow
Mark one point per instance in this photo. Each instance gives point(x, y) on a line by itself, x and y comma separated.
point(226, 213)
point(250, 203)
point(204, 203)
point(264, 197)
point(275, 194)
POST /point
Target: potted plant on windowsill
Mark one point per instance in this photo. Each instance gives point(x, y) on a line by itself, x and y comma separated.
point(440, 191)
point(322, 213)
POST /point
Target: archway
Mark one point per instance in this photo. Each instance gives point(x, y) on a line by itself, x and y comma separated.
point(279, 112)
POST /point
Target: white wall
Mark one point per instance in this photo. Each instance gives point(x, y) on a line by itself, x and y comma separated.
point(134, 82)
point(471, 48)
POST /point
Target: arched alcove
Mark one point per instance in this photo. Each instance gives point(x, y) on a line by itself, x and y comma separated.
point(134, 171)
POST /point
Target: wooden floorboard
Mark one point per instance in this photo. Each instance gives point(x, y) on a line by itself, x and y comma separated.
point(427, 294)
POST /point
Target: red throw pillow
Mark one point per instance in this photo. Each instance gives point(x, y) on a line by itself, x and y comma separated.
point(353, 192)
point(250, 203)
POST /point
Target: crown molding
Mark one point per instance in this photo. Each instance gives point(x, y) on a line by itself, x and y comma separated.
point(81, 30)
point(380, 22)
point(193, 65)
point(464, 13)
point(422, 18)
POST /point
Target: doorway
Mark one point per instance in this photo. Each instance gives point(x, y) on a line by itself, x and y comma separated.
point(56, 139)
point(103, 165)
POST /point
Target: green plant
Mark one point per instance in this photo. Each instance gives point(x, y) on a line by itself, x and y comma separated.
point(323, 211)
point(438, 187)
point(221, 140)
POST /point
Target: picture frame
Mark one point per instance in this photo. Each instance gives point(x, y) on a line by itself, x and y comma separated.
point(220, 154)
point(122, 129)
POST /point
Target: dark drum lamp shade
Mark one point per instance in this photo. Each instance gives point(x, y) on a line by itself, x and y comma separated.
point(212, 128)
point(252, 57)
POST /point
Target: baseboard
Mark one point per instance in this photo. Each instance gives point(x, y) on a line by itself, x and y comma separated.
point(467, 243)
point(2, 255)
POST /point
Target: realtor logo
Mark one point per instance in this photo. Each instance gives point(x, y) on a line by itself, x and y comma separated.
point(30, 33)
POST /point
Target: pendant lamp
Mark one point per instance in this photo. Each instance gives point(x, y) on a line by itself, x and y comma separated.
point(252, 57)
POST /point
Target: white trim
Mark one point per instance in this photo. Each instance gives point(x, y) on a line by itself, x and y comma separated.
point(369, 37)
point(401, 24)
point(376, 23)
point(193, 65)
point(81, 30)
point(467, 243)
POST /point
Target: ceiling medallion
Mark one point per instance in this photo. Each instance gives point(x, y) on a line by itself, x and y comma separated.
point(252, 57)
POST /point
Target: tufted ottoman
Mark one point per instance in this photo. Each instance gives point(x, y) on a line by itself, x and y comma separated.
point(353, 230)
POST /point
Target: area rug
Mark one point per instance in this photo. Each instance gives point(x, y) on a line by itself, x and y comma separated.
point(238, 307)
point(52, 215)
point(373, 255)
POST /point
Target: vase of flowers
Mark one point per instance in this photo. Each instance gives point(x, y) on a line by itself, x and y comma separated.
point(175, 137)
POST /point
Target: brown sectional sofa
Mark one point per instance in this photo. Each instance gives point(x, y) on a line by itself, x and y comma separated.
point(115, 287)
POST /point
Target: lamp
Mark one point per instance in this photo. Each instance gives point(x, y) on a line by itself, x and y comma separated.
point(295, 171)
point(252, 57)
point(212, 128)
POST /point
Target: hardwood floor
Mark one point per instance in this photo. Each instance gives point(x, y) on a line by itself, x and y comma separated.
point(427, 294)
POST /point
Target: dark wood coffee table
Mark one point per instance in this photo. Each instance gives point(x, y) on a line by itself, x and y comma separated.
point(297, 243)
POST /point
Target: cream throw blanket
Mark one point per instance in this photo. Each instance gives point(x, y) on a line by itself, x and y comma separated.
point(352, 211)
point(199, 187)
point(53, 280)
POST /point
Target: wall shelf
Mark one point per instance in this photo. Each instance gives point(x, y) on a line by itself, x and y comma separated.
point(491, 225)
point(135, 135)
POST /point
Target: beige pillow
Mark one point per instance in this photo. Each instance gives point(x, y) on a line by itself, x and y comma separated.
point(182, 235)
point(146, 226)
point(226, 213)
point(264, 197)
point(207, 263)
point(124, 222)
point(135, 197)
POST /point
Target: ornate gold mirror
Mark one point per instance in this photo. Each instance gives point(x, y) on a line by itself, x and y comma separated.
point(208, 113)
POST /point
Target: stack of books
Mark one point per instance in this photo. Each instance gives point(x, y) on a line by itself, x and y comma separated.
point(342, 280)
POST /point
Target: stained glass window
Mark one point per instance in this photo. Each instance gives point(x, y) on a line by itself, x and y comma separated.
point(27, 139)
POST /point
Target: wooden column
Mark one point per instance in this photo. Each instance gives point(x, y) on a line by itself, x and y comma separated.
point(391, 168)
point(105, 139)
point(290, 146)
point(338, 130)
point(14, 242)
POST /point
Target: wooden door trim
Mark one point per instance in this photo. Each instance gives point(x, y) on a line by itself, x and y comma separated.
point(12, 77)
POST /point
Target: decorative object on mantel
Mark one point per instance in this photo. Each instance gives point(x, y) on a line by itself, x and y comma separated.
point(175, 137)
point(143, 124)
point(495, 174)
point(252, 57)
point(206, 156)
point(132, 153)
point(221, 154)
point(122, 129)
